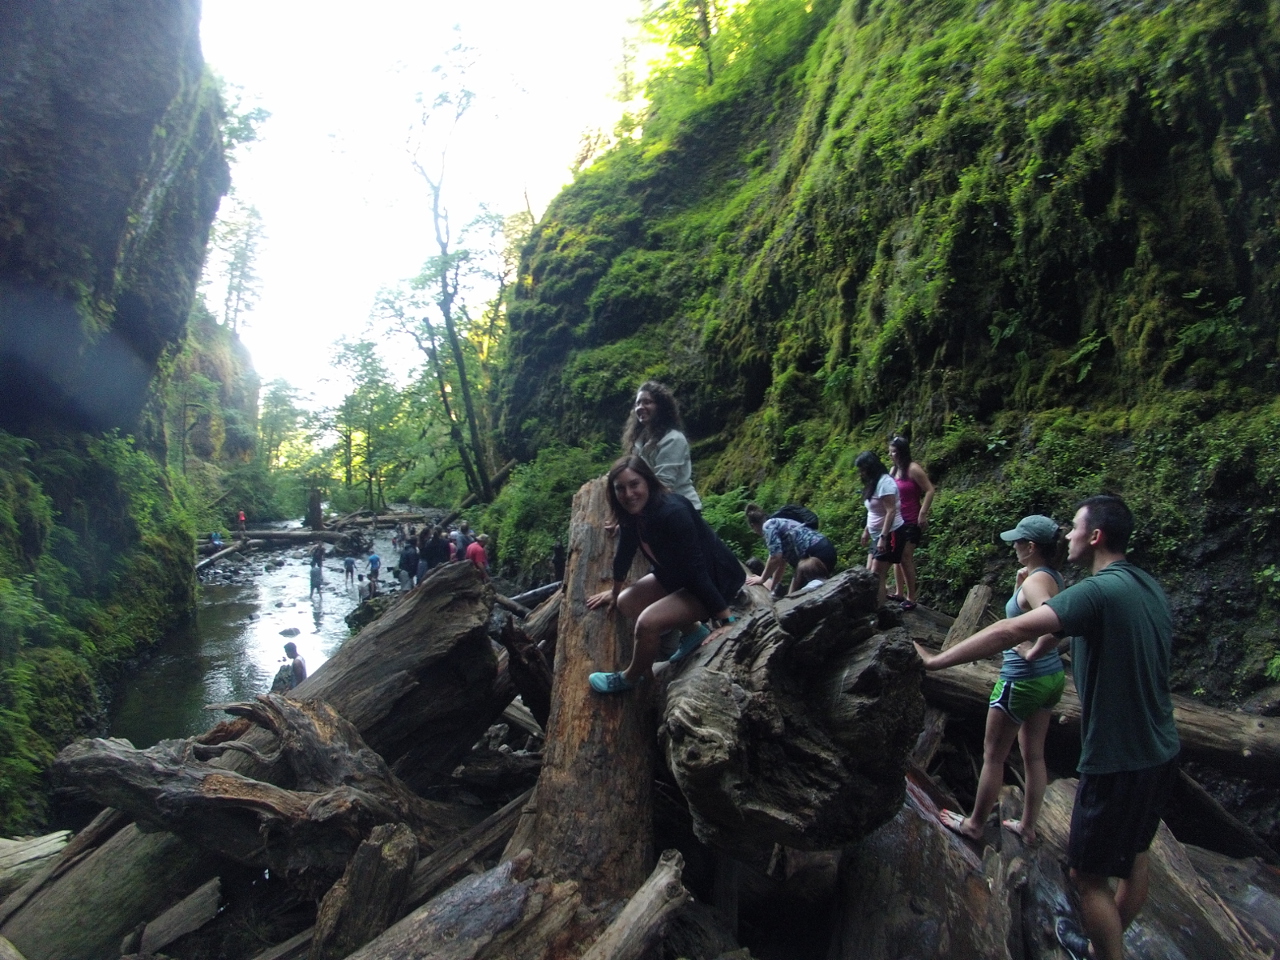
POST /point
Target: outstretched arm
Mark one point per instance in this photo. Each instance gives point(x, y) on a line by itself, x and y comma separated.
point(999, 636)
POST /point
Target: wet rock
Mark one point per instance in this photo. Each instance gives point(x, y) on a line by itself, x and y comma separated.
point(290, 632)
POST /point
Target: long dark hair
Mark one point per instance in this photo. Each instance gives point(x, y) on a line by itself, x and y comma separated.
point(870, 470)
point(903, 446)
point(656, 489)
point(666, 416)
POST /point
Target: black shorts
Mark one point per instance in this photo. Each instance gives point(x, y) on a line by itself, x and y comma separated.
point(911, 533)
point(1116, 816)
point(824, 551)
point(893, 554)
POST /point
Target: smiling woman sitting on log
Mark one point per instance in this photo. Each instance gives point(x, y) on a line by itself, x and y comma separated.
point(694, 574)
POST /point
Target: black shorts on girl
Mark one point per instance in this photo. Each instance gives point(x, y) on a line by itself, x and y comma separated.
point(894, 552)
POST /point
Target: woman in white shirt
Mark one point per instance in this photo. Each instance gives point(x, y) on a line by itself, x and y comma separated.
point(884, 520)
point(655, 434)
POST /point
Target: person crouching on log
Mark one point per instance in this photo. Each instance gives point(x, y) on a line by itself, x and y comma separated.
point(694, 574)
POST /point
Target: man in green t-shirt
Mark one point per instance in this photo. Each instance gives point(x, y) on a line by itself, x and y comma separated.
point(1122, 633)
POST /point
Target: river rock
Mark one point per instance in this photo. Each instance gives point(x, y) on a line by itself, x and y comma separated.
point(290, 632)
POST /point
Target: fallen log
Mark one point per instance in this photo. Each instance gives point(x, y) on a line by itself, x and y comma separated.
point(420, 678)
point(369, 896)
point(342, 790)
point(179, 920)
point(1235, 742)
point(532, 598)
point(642, 922)
point(502, 913)
point(294, 536)
point(794, 728)
point(595, 806)
point(220, 555)
point(20, 860)
point(8, 951)
point(1247, 888)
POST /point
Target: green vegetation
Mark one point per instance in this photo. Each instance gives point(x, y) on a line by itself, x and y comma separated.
point(1036, 237)
point(95, 559)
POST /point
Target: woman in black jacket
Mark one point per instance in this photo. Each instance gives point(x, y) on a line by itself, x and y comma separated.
point(694, 577)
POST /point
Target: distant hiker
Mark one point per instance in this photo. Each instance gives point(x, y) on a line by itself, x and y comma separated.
point(477, 555)
point(240, 527)
point(317, 554)
point(915, 497)
point(317, 579)
point(1029, 688)
point(557, 561)
point(348, 571)
point(215, 538)
point(408, 564)
point(362, 588)
point(375, 564)
point(437, 551)
point(655, 433)
point(461, 540)
point(788, 542)
point(811, 573)
point(292, 672)
point(884, 521)
point(1121, 631)
point(694, 577)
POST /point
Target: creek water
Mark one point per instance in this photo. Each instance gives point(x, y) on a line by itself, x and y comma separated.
point(235, 645)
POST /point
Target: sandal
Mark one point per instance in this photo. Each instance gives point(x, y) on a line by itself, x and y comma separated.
point(908, 604)
point(895, 597)
point(610, 682)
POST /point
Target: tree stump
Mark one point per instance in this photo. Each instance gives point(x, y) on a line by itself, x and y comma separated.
point(797, 738)
point(594, 796)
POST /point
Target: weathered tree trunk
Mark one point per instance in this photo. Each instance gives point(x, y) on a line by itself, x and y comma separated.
point(795, 728)
point(368, 897)
point(20, 860)
point(418, 682)
point(185, 917)
point(642, 922)
point(594, 819)
point(503, 913)
point(343, 789)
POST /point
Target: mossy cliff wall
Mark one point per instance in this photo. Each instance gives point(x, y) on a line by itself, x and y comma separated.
point(1038, 237)
point(111, 167)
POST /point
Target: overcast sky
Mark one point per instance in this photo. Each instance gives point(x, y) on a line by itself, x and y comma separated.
point(344, 214)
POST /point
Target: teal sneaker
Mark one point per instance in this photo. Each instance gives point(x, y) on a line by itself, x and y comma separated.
point(1072, 938)
point(690, 642)
point(610, 683)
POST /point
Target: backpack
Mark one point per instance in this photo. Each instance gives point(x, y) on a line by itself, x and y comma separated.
point(793, 511)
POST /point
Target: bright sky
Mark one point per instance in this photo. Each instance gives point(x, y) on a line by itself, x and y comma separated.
point(344, 214)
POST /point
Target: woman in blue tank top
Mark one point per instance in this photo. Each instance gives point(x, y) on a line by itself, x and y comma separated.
point(1030, 686)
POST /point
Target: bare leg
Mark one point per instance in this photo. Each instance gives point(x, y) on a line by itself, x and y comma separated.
point(906, 572)
point(655, 612)
point(1131, 894)
point(1000, 734)
point(1031, 743)
point(881, 569)
point(1100, 914)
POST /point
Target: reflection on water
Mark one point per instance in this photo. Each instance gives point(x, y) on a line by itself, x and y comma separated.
point(234, 648)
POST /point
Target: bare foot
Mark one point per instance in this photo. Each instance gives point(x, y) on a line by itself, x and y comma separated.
point(959, 824)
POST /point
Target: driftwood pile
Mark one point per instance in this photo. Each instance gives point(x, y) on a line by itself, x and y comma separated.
point(784, 759)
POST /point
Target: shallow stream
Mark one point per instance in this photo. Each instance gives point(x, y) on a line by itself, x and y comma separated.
point(235, 646)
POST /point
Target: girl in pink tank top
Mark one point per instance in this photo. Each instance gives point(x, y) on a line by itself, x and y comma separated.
point(915, 497)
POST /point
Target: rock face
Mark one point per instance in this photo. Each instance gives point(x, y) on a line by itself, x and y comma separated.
point(111, 168)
